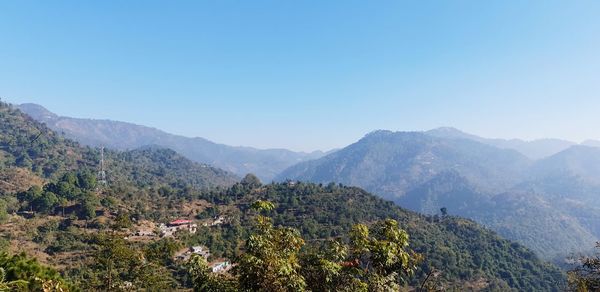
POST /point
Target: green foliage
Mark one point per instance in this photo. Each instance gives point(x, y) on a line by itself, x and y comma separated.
point(155, 166)
point(375, 260)
point(20, 273)
point(155, 183)
point(162, 251)
point(66, 241)
point(263, 206)
point(10, 285)
point(118, 265)
point(383, 252)
point(459, 249)
point(122, 221)
point(270, 261)
point(86, 180)
point(250, 181)
point(3, 211)
point(586, 277)
point(72, 188)
point(45, 203)
point(145, 177)
point(323, 268)
point(209, 212)
point(31, 145)
point(203, 280)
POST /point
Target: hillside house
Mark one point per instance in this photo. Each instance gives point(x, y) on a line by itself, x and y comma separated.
point(216, 221)
point(199, 250)
point(221, 267)
point(170, 228)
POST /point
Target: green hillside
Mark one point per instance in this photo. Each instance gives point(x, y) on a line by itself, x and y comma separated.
point(462, 250)
point(31, 147)
point(70, 221)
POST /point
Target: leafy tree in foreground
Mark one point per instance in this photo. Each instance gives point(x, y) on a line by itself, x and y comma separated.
point(10, 285)
point(374, 259)
point(586, 277)
point(21, 273)
point(271, 259)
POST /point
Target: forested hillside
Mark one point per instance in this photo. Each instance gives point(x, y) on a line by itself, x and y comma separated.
point(71, 221)
point(463, 252)
point(31, 148)
point(394, 165)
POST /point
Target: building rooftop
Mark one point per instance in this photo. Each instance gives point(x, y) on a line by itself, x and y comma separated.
point(180, 222)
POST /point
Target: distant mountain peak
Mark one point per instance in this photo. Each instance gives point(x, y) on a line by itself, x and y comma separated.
point(37, 112)
point(447, 130)
point(452, 133)
point(379, 132)
point(388, 133)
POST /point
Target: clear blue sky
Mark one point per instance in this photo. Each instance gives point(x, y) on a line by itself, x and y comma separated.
point(310, 75)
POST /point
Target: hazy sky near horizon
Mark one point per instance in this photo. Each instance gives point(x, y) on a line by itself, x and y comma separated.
point(309, 75)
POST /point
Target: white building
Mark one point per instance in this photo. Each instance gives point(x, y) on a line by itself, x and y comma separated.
point(170, 228)
point(221, 267)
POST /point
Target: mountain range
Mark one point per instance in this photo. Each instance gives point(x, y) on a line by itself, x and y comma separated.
point(125, 136)
point(157, 184)
point(521, 189)
point(534, 149)
point(550, 204)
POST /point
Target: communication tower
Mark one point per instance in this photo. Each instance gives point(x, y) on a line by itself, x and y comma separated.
point(102, 172)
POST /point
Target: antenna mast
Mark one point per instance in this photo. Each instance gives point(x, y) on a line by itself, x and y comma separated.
point(102, 173)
